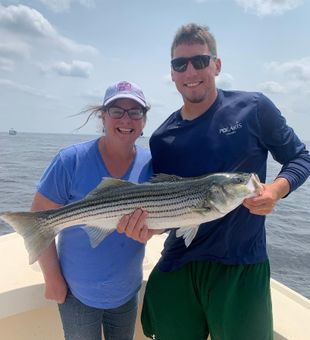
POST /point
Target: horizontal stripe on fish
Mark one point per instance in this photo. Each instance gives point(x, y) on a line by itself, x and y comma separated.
point(171, 202)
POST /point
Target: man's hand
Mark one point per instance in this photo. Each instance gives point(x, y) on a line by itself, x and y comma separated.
point(267, 198)
point(134, 226)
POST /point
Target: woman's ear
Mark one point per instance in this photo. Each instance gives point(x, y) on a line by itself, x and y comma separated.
point(102, 116)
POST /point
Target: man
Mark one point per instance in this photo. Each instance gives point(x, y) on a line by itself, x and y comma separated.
point(220, 284)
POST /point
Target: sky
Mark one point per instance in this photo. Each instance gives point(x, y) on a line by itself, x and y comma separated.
point(58, 56)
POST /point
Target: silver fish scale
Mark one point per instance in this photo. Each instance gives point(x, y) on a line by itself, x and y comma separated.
point(170, 204)
point(160, 201)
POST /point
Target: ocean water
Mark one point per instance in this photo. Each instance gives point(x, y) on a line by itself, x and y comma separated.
point(24, 157)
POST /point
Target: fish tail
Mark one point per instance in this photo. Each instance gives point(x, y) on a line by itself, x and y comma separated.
point(33, 228)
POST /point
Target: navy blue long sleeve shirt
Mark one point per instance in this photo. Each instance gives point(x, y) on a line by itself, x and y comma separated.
point(234, 135)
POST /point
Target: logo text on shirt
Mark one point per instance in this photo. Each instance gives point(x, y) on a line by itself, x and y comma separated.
point(231, 129)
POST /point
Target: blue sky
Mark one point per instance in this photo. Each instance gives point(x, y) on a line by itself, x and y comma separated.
point(58, 56)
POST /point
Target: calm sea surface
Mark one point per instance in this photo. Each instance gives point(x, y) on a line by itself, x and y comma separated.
point(24, 157)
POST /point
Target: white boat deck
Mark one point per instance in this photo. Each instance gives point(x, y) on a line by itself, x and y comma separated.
point(26, 315)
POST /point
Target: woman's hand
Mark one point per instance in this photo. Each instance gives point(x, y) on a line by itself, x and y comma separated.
point(55, 287)
point(134, 226)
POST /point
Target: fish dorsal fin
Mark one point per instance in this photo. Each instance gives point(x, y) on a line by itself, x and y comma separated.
point(165, 178)
point(173, 178)
point(108, 183)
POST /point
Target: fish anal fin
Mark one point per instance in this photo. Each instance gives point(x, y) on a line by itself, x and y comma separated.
point(188, 234)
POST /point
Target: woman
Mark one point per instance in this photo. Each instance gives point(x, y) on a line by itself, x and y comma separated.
point(97, 287)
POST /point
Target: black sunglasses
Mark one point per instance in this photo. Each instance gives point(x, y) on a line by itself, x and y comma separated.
point(118, 113)
point(198, 61)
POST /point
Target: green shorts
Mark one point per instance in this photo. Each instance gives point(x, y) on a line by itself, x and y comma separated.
point(202, 298)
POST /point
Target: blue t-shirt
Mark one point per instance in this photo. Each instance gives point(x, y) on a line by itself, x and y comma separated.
point(110, 274)
point(234, 135)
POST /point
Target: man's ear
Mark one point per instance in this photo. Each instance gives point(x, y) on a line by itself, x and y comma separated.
point(171, 73)
point(218, 65)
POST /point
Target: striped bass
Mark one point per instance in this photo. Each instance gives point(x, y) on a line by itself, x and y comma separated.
point(171, 202)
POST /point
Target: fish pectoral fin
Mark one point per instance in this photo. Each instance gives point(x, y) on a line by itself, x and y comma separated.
point(96, 234)
point(188, 234)
point(202, 210)
point(107, 183)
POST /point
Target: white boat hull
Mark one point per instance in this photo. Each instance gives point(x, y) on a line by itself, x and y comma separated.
point(26, 315)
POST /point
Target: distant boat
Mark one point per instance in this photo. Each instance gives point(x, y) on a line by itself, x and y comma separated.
point(12, 132)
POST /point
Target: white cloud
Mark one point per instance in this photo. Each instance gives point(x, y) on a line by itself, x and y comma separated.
point(76, 68)
point(6, 64)
point(26, 20)
point(291, 77)
point(269, 7)
point(11, 85)
point(298, 70)
point(64, 5)
point(224, 81)
point(27, 23)
point(14, 50)
point(272, 87)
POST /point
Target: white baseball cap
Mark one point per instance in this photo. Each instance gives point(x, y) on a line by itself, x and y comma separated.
point(125, 89)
